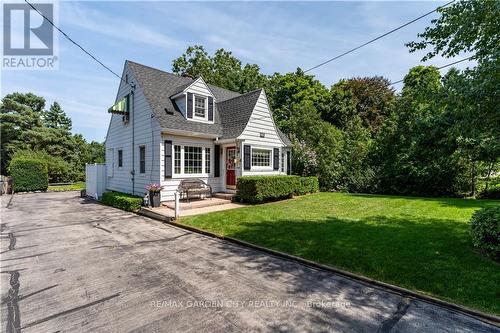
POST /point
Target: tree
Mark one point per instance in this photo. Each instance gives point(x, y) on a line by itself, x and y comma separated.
point(472, 96)
point(369, 98)
point(222, 70)
point(287, 91)
point(464, 26)
point(18, 113)
point(413, 152)
point(55, 117)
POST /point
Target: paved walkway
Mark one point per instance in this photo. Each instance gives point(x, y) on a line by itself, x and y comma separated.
point(75, 266)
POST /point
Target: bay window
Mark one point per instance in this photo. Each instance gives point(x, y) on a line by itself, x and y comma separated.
point(193, 160)
point(177, 159)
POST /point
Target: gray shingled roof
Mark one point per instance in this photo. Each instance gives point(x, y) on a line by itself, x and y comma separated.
point(232, 111)
point(236, 112)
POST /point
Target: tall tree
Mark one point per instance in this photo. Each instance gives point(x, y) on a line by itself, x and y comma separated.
point(464, 26)
point(369, 98)
point(55, 117)
point(413, 152)
point(291, 89)
point(222, 69)
point(473, 96)
point(18, 113)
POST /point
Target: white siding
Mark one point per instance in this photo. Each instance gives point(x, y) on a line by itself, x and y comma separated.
point(199, 87)
point(171, 184)
point(146, 132)
point(261, 121)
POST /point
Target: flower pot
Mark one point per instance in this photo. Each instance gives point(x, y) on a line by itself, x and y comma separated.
point(154, 199)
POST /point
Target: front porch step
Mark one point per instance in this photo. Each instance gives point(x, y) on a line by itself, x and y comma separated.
point(224, 195)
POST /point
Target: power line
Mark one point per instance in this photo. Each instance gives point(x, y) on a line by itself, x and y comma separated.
point(444, 66)
point(377, 38)
point(76, 44)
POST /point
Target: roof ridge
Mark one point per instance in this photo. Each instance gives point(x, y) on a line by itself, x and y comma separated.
point(182, 77)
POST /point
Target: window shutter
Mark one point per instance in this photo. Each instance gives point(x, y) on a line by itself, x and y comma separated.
point(189, 110)
point(217, 161)
point(246, 157)
point(276, 159)
point(168, 159)
point(210, 108)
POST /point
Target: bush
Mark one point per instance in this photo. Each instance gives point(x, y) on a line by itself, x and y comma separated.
point(28, 175)
point(59, 170)
point(130, 203)
point(256, 189)
point(307, 185)
point(493, 192)
point(485, 230)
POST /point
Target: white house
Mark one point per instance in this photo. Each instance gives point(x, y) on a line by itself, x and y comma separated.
point(165, 128)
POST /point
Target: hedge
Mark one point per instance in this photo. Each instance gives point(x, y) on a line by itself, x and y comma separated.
point(256, 189)
point(28, 174)
point(485, 230)
point(123, 201)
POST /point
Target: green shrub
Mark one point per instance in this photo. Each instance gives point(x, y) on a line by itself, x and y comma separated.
point(28, 174)
point(485, 230)
point(255, 189)
point(123, 201)
point(493, 192)
point(59, 170)
point(307, 185)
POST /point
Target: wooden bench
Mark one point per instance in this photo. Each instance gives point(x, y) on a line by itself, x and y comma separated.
point(190, 187)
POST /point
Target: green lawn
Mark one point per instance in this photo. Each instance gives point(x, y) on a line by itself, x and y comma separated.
point(418, 243)
point(72, 187)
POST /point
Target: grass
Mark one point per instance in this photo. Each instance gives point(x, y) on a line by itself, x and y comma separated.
point(72, 187)
point(421, 244)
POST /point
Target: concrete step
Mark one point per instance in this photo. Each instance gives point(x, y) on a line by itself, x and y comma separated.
point(224, 195)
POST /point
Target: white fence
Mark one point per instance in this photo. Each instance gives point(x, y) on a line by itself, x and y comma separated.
point(95, 179)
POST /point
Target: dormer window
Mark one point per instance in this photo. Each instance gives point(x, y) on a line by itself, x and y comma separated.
point(200, 106)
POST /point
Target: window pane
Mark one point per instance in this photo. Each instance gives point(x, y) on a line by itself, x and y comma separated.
point(120, 158)
point(207, 160)
point(177, 159)
point(261, 157)
point(192, 160)
point(199, 106)
point(142, 159)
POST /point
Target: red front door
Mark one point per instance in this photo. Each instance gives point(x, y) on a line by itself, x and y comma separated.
point(230, 168)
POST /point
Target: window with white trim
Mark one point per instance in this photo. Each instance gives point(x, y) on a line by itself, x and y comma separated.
point(261, 157)
point(177, 159)
point(207, 160)
point(193, 160)
point(200, 106)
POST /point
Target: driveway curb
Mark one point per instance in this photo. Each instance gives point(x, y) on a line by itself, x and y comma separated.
point(479, 315)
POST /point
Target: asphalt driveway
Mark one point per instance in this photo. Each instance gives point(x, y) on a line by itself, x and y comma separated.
point(74, 265)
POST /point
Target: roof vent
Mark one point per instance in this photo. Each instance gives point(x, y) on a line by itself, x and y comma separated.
point(186, 75)
point(169, 111)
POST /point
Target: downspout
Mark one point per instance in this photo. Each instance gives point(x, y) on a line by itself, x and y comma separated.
point(132, 96)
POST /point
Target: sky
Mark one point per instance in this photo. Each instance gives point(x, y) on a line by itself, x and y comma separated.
point(277, 36)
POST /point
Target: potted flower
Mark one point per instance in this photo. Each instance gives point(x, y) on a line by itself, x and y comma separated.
point(154, 194)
